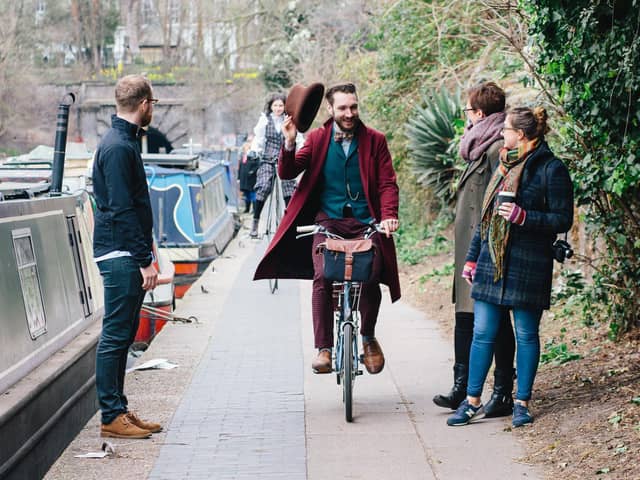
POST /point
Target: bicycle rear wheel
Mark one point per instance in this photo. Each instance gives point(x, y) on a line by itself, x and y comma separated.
point(347, 369)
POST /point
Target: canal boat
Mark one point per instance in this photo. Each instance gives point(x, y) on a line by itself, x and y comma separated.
point(52, 307)
point(34, 169)
point(192, 221)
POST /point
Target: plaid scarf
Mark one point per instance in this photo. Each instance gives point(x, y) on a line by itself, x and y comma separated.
point(505, 178)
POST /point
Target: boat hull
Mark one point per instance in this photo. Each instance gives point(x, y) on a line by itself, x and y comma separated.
point(51, 293)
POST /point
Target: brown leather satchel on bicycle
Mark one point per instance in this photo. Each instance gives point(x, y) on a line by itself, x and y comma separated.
point(347, 260)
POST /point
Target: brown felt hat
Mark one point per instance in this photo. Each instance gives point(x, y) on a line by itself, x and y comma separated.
point(303, 104)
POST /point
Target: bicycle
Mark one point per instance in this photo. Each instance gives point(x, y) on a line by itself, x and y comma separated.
point(347, 287)
point(275, 211)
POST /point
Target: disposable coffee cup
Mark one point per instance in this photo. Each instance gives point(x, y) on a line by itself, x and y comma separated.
point(506, 197)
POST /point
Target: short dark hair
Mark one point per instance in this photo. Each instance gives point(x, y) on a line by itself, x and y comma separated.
point(342, 88)
point(488, 97)
point(130, 91)
point(273, 98)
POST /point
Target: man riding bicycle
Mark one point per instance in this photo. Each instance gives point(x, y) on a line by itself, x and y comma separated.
point(348, 182)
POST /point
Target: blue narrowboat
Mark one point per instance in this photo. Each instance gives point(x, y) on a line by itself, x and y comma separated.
point(191, 217)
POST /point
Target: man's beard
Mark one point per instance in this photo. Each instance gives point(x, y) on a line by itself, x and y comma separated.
point(146, 120)
point(355, 121)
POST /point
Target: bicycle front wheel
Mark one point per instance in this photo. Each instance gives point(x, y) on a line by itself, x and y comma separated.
point(347, 369)
point(275, 210)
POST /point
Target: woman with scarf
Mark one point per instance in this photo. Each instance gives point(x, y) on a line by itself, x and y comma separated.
point(510, 260)
point(480, 148)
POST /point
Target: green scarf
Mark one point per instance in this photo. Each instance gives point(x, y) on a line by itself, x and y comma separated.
point(505, 178)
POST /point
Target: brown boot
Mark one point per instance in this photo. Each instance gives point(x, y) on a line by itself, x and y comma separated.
point(122, 427)
point(373, 356)
point(138, 422)
point(322, 363)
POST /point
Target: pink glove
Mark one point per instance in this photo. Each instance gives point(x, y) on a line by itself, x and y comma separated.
point(518, 215)
point(469, 271)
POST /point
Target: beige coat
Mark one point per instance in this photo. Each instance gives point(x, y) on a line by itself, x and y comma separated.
point(469, 196)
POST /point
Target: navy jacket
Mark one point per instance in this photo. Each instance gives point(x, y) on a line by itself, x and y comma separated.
point(124, 220)
point(546, 193)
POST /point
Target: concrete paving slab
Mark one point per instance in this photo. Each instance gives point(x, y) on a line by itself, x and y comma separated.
point(244, 404)
point(156, 394)
point(246, 393)
point(394, 416)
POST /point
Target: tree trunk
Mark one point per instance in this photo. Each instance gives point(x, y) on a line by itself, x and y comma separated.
point(133, 27)
point(96, 40)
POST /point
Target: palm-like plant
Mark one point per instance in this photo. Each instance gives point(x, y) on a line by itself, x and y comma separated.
point(434, 131)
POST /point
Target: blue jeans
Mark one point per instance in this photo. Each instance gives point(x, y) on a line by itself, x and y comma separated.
point(123, 296)
point(485, 330)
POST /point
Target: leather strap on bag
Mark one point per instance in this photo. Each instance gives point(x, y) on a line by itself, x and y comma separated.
point(348, 247)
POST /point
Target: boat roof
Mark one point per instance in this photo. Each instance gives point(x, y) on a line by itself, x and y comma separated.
point(184, 161)
point(22, 189)
point(44, 153)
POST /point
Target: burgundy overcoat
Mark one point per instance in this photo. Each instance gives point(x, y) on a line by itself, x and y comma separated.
point(287, 257)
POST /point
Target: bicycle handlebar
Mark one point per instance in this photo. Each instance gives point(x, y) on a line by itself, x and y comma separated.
point(306, 228)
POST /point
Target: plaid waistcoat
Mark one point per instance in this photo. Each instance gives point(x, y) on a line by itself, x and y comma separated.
point(272, 141)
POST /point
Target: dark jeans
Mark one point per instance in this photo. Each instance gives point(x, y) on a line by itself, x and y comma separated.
point(123, 296)
point(505, 346)
point(322, 293)
point(527, 323)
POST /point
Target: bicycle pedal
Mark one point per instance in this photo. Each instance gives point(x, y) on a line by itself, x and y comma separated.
point(359, 372)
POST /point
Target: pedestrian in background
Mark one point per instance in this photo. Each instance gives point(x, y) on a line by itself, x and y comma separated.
point(247, 174)
point(510, 261)
point(480, 148)
point(266, 144)
point(122, 245)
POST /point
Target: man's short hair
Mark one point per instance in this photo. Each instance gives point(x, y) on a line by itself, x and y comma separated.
point(488, 97)
point(342, 88)
point(130, 91)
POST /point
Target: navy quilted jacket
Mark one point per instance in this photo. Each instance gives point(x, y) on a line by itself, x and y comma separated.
point(546, 193)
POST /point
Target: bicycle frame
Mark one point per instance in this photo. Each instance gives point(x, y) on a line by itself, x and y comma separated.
point(275, 207)
point(346, 296)
point(345, 313)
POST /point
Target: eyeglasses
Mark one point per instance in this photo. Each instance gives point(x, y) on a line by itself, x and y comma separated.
point(153, 101)
point(510, 128)
point(468, 109)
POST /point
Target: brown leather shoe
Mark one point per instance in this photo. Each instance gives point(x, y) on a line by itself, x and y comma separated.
point(322, 363)
point(122, 427)
point(373, 356)
point(138, 422)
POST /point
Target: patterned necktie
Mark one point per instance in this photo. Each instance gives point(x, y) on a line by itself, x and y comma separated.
point(338, 137)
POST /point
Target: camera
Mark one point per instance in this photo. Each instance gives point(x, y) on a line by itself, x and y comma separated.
point(561, 250)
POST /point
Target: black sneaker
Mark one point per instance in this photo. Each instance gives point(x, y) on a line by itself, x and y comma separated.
point(464, 414)
point(521, 415)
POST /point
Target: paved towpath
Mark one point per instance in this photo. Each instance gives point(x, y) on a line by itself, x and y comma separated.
point(244, 404)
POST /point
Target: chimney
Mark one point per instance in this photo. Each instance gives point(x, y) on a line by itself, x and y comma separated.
point(62, 123)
